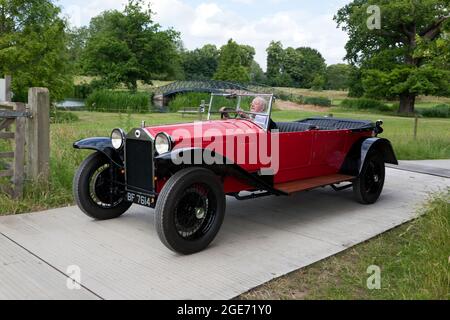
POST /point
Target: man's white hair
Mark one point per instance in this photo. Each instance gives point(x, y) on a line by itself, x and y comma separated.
point(261, 101)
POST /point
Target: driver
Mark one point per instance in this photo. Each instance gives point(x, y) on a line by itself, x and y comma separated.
point(258, 105)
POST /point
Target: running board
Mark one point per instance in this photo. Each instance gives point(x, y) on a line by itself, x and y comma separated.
point(309, 184)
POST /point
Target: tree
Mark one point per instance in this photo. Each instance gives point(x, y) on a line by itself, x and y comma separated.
point(355, 89)
point(124, 47)
point(391, 60)
point(311, 65)
point(257, 74)
point(275, 63)
point(77, 40)
point(318, 83)
point(234, 63)
point(294, 67)
point(338, 76)
point(201, 64)
point(247, 55)
point(33, 47)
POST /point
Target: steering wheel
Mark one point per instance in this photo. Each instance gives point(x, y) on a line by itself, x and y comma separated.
point(225, 113)
point(242, 115)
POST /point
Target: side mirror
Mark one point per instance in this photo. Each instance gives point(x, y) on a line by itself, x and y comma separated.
point(378, 128)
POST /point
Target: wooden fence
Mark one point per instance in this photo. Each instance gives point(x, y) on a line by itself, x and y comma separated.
point(31, 137)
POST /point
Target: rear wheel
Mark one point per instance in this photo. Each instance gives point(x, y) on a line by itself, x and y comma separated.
point(99, 189)
point(369, 185)
point(190, 210)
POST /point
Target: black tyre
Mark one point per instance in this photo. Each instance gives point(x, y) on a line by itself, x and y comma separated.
point(190, 210)
point(369, 185)
point(98, 188)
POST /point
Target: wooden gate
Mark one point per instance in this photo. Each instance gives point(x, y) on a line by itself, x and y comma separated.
point(13, 116)
point(28, 127)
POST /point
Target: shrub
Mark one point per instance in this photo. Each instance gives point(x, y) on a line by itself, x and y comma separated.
point(317, 101)
point(298, 99)
point(439, 111)
point(281, 95)
point(284, 96)
point(365, 104)
point(57, 116)
point(82, 91)
point(395, 106)
point(188, 100)
point(118, 101)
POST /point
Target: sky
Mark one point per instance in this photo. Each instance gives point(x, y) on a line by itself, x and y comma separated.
point(295, 23)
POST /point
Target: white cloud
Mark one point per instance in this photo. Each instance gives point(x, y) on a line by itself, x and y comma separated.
point(210, 22)
point(247, 2)
point(81, 14)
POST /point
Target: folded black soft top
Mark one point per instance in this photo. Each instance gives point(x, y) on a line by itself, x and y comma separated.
point(338, 124)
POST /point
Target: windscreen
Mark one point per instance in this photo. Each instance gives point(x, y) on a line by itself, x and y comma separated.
point(255, 108)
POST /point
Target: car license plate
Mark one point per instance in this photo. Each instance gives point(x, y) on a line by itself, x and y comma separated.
point(141, 199)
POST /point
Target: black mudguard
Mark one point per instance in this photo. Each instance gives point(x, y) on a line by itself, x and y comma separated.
point(382, 145)
point(102, 145)
point(358, 153)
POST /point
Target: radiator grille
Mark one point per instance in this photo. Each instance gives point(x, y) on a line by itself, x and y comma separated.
point(139, 165)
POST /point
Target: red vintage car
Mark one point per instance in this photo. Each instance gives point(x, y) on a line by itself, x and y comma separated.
point(186, 171)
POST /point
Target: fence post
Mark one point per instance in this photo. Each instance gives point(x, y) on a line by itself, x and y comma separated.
point(19, 153)
point(38, 135)
point(416, 125)
point(8, 96)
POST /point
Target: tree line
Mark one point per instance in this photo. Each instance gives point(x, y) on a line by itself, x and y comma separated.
point(406, 56)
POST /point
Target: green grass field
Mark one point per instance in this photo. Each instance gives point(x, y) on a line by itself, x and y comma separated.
point(338, 96)
point(433, 143)
point(414, 263)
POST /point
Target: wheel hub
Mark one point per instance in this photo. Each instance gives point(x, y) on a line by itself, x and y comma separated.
point(200, 213)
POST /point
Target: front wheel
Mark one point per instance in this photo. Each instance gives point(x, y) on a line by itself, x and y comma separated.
point(369, 185)
point(190, 210)
point(99, 189)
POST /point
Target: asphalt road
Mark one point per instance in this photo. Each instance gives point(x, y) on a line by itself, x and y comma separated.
point(260, 240)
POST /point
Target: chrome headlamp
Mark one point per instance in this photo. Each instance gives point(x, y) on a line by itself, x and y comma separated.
point(163, 143)
point(118, 138)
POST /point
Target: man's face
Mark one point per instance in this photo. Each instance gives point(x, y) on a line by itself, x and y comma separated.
point(257, 107)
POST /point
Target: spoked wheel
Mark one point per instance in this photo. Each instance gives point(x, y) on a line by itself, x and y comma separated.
point(195, 212)
point(368, 187)
point(99, 188)
point(190, 210)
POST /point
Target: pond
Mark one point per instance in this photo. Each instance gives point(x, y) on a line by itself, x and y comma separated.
point(78, 104)
point(71, 104)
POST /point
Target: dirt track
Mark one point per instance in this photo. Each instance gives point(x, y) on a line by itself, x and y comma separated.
point(290, 106)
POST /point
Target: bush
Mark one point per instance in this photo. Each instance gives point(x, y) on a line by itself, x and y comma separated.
point(281, 95)
point(317, 101)
point(118, 101)
point(284, 96)
point(365, 104)
point(82, 91)
point(57, 116)
point(439, 111)
point(188, 100)
point(298, 99)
